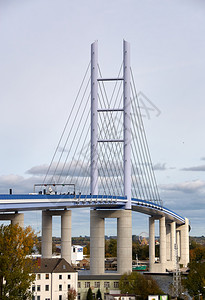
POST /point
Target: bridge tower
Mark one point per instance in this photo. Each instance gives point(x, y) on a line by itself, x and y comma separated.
point(124, 217)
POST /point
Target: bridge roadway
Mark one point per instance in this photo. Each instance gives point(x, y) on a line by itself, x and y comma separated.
point(29, 202)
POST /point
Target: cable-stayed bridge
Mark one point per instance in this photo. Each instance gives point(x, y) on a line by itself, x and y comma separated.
point(102, 161)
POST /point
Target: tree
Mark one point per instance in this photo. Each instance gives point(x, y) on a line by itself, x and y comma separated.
point(16, 268)
point(140, 285)
point(72, 294)
point(98, 295)
point(142, 251)
point(86, 249)
point(195, 281)
point(112, 247)
point(89, 294)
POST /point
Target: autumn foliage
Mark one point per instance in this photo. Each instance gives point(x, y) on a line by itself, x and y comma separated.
point(138, 284)
point(15, 267)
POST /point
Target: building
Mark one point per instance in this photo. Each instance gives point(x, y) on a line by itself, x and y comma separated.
point(76, 254)
point(105, 283)
point(54, 278)
point(120, 297)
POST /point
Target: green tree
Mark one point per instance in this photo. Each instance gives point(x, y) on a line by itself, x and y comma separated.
point(99, 295)
point(16, 268)
point(140, 285)
point(142, 251)
point(89, 294)
point(195, 281)
point(112, 247)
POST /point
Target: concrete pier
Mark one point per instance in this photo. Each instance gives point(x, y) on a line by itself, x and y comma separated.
point(170, 236)
point(184, 243)
point(97, 240)
point(65, 233)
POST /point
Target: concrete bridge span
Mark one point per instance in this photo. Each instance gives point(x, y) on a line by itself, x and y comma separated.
point(173, 228)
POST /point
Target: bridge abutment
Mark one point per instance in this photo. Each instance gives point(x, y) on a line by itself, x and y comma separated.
point(97, 240)
point(65, 233)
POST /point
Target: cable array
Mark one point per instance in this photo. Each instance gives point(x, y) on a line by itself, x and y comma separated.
point(70, 164)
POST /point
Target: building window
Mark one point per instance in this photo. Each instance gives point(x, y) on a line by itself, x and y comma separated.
point(38, 288)
point(33, 297)
point(79, 284)
point(47, 276)
point(38, 276)
point(78, 296)
point(68, 286)
point(87, 284)
point(97, 284)
point(33, 288)
point(60, 287)
point(106, 285)
point(116, 284)
point(60, 297)
point(47, 287)
point(39, 298)
point(68, 276)
point(60, 276)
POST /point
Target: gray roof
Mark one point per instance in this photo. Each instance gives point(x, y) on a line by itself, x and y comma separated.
point(53, 265)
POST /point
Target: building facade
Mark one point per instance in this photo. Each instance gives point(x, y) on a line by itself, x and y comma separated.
point(105, 283)
point(54, 278)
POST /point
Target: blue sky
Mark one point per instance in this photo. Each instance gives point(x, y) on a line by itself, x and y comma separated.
point(45, 49)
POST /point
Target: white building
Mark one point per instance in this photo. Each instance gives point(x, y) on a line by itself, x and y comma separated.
point(54, 278)
point(120, 297)
point(76, 254)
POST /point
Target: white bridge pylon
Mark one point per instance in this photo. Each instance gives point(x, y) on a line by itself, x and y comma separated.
point(126, 120)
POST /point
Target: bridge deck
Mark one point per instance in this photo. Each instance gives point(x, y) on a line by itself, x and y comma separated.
point(29, 202)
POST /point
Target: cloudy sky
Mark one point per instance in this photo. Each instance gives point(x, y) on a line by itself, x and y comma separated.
point(45, 49)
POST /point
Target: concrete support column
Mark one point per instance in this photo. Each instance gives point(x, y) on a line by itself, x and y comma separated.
point(173, 242)
point(97, 243)
point(46, 246)
point(17, 218)
point(124, 242)
point(66, 235)
point(162, 230)
point(151, 243)
point(184, 231)
point(179, 243)
point(168, 242)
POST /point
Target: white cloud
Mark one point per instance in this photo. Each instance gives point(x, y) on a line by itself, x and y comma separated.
point(195, 168)
point(186, 187)
point(160, 167)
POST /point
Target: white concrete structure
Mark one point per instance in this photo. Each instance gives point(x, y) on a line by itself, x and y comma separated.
point(65, 233)
point(116, 296)
point(54, 278)
point(170, 236)
point(16, 218)
point(97, 240)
